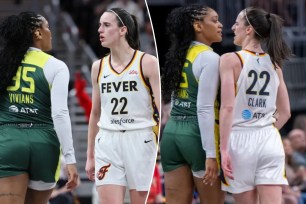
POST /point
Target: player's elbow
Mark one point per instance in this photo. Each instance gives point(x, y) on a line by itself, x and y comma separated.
point(287, 114)
point(227, 108)
point(284, 114)
point(59, 114)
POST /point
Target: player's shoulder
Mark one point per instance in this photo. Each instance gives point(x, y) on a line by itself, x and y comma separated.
point(96, 67)
point(230, 58)
point(209, 54)
point(148, 59)
point(57, 62)
point(56, 65)
point(96, 63)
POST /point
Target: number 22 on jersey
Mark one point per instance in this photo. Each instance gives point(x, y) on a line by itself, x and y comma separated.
point(263, 75)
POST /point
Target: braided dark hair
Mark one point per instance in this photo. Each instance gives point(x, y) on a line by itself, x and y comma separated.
point(16, 32)
point(179, 28)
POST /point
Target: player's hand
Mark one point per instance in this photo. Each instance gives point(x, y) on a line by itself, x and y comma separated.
point(90, 168)
point(211, 172)
point(226, 164)
point(73, 177)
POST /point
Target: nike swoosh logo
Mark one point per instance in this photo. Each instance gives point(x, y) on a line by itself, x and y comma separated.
point(146, 141)
point(106, 76)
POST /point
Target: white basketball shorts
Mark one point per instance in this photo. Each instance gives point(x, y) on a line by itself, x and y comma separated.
point(125, 158)
point(257, 157)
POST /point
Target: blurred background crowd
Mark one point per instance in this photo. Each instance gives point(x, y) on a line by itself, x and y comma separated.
point(74, 26)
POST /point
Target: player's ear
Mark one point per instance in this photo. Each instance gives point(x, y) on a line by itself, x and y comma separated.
point(197, 26)
point(249, 29)
point(123, 30)
point(37, 34)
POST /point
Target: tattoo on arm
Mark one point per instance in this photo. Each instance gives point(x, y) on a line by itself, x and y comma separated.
point(9, 194)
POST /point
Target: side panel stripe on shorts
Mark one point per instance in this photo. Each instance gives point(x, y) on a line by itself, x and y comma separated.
point(280, 137)
point(58, 169)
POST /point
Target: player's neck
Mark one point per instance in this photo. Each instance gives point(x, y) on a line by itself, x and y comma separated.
point(252, 45)
point(121, 58)
point(122, 53)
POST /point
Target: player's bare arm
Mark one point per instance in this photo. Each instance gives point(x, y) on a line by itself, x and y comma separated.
point(150, 69)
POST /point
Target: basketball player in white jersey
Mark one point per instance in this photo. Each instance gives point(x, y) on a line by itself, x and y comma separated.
point(122, 146)
point(252, 90)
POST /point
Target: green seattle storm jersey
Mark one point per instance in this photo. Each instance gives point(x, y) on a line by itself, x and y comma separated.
point(184, 103)
point(27, 99)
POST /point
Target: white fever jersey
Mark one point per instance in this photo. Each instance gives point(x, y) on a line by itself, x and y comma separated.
point(126, 97)
point(256, 91)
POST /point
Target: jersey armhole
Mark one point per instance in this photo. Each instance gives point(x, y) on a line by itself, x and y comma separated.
point(141, 72)
point(155, 111)
point(100, 70)
point(240, 59)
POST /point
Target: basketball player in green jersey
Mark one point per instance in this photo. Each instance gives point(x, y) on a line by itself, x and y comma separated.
point(190, 79)
point(34, 117)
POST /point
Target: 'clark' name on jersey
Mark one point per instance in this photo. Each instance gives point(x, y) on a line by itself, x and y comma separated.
point(257, 102)
point(124, 86)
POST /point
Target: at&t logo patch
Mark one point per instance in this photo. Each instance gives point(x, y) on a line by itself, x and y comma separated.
point(13, 108)
point(247, 114)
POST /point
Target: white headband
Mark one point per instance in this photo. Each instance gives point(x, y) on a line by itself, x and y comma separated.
point(116, 15)
point(245, 13)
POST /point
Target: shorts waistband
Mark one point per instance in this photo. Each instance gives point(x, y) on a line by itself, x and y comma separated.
point(252, 129)
point(123, 131)
point(184, 117)
point(25, 125)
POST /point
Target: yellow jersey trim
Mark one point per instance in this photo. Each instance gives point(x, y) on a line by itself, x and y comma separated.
point(37, 58)
point(194, 51)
